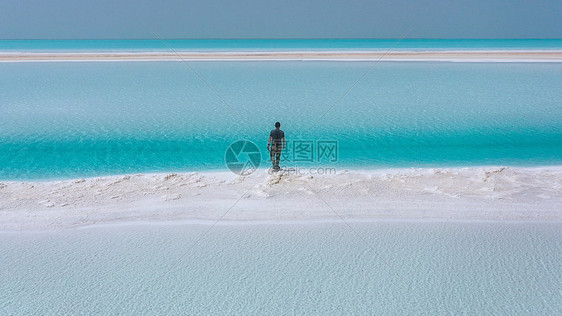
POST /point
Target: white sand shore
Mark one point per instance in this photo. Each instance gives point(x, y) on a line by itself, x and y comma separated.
point(465, 56)
point(481, 193)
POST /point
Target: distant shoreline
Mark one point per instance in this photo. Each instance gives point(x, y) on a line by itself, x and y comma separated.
point(453, 56)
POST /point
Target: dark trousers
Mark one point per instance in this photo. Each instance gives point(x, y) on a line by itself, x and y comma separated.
point(275, 156)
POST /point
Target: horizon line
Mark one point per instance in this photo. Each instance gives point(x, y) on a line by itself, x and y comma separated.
point(274, 38)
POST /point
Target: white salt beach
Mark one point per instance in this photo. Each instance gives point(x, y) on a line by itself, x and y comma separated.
point(313, 268)
point(467, 193)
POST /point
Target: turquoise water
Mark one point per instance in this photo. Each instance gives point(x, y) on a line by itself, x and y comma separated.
point(65, 120)
point(277, 44)
point(398, 268)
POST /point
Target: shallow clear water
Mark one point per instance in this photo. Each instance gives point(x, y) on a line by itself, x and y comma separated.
point(65, 119)
point(276, 44)
point(423, 268)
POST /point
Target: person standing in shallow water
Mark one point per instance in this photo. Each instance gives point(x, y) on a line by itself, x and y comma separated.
point(277, 142)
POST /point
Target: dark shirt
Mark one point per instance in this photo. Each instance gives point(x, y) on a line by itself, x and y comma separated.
point(277, 136)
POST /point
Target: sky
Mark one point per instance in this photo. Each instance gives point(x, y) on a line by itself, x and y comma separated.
point(134, 19)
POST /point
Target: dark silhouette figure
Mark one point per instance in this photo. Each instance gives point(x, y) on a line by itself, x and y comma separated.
point(277, 142)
